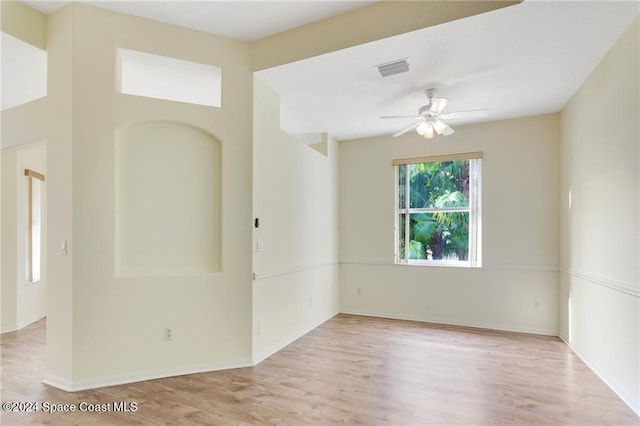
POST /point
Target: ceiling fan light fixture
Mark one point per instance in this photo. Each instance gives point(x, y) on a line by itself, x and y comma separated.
point(431, 117)
point(429, 131)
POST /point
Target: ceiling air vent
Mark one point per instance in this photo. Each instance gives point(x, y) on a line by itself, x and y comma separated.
point(395, 67)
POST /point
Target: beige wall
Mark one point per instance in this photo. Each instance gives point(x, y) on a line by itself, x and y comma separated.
point(118, 320)
point(103, 328)
point(600, 211)
point(9, 277)
point(520, 178)
point(167, 173)
point(24, 23)
point(295, 197)
point(60, 215)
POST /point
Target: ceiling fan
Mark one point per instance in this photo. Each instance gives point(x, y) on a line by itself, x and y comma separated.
point(429, 120)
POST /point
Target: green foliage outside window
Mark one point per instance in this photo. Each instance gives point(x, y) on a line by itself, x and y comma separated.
point(443, 231)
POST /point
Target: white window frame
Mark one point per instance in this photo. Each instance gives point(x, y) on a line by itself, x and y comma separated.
point(474, 210)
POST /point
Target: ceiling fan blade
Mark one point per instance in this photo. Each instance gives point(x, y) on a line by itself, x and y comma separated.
point(478, 113)
point(442, 128)
point(405, 130)
point(438, 105)
point(448, 130)
point(439, 126)
point(384, 117)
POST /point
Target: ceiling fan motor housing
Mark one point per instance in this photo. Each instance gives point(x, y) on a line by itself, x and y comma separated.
point(430, 117)
point(425, 111)
point(431, 93)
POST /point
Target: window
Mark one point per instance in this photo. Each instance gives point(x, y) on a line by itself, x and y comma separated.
point(34, 224)
point(438, 210)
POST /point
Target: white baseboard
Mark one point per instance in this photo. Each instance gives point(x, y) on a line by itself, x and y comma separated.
point(30, 321)
point(22, 324)
point(58, 382)
point(611, 383)
point(420, 318)
point(8, 329)
point(75, 386)
point(263, 354)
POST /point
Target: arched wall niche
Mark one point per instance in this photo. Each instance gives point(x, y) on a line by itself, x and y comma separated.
point(167, 200)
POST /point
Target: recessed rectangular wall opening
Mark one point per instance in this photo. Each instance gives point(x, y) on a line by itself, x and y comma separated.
point(168, 200)
point(162, 77)
point(24, 72)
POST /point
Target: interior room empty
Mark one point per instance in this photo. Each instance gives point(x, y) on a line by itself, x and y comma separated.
point(360, 212)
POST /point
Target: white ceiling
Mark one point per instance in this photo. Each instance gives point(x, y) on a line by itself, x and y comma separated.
point(242, 20)
point(517, 61)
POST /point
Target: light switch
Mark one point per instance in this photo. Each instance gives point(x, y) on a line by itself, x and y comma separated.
point(63, 247)
point(259, 245)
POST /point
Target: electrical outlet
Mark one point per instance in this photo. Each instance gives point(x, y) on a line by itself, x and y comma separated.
point(536, 305)
point(168, 332)
point(359, 292)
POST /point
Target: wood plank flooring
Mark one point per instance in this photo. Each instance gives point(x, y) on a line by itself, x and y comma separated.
point(351, 370)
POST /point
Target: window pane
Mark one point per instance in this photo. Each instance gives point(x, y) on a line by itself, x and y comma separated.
point(449, 232)
point(401, 236)
point(402, 179)
point(437, 236)
point(439, 184)
point(36, 228)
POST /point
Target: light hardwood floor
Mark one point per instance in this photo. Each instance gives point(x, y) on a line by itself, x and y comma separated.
point(351, 370)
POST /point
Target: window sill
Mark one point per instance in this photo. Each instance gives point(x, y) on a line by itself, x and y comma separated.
point(440, 264)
